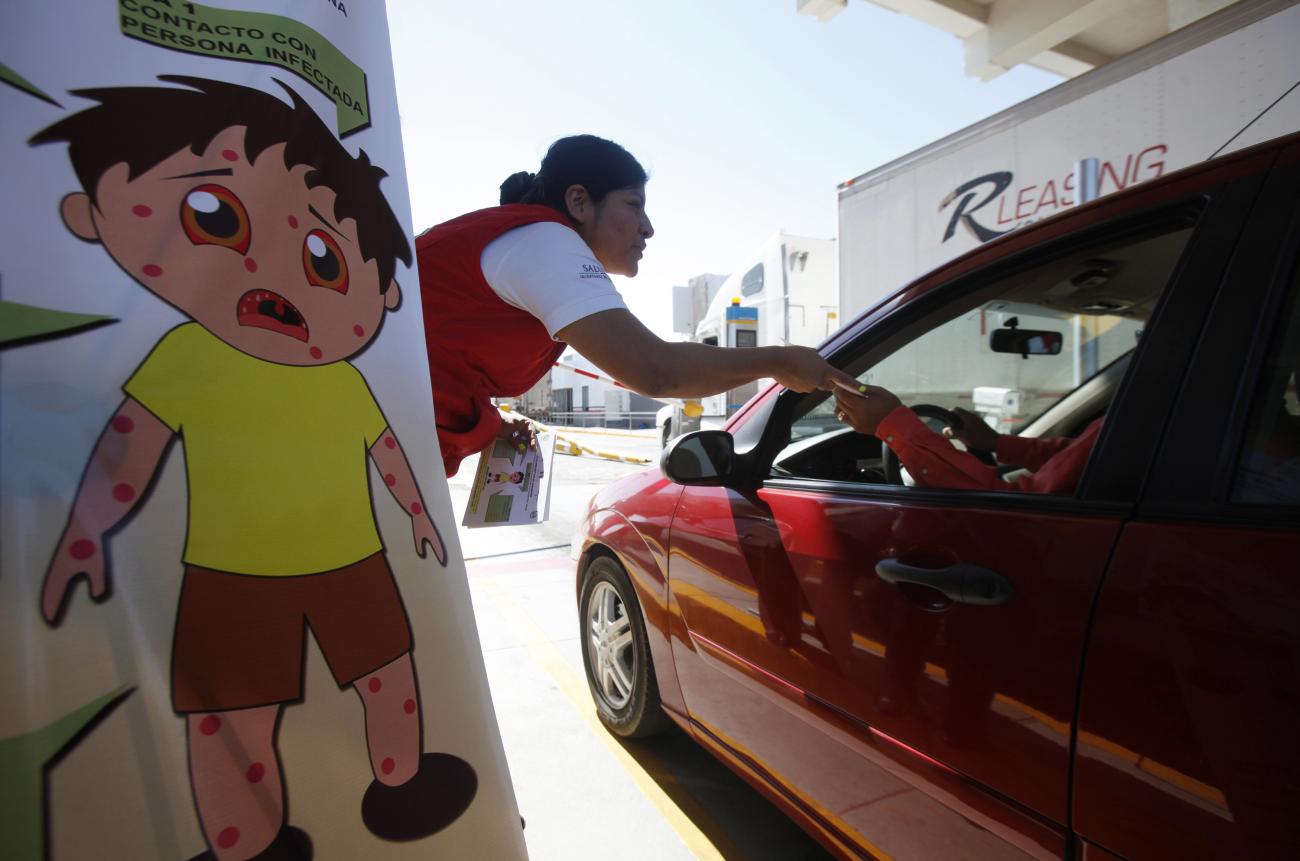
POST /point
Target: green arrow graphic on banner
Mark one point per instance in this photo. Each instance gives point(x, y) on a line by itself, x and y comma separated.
point(22, 324)
point(13, 79)
point(254, 37)
point(23, 763)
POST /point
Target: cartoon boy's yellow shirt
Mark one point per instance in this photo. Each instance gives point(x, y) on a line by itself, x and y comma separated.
point(275, 455)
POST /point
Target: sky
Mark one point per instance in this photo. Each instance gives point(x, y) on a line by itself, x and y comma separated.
point(745, 114)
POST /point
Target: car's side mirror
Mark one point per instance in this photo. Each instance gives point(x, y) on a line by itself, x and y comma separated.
point(702, 458)
point(1026, 342)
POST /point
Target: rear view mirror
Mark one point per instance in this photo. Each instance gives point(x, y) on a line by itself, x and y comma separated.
point(699, 458)
point(1026, 342)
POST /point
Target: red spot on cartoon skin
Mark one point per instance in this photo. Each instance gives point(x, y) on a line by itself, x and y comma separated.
point(389, 442)
point(315, 352)
point(141, 210)
point(409, 707)
point(250, 264)
point(123, 492)
point(358, 331)
point(390, 479)
point(416, 508)
point(230, 155)
point(375, 685)
point(210, 725)
point(82, 549)
point(228, 837)
point(255, 772)
point(293, 222)
point(153, 270)
point(123, 424)
point(387, 765)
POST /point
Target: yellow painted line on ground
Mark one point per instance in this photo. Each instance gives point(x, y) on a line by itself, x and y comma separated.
point(575, 689)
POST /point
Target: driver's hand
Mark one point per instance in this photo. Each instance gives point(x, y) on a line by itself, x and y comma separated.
point(864, 410)
point(974, 433)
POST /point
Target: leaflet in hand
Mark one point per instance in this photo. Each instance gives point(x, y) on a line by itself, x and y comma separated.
point(511, 487)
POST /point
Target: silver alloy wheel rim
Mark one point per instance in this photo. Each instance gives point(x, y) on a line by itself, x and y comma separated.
point(609, 645)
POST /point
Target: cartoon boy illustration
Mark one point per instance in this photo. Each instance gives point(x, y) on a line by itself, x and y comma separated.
point(247, 215)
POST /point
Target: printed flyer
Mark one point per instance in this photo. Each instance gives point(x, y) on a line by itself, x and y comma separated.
point(236, 622)
point(512, 487)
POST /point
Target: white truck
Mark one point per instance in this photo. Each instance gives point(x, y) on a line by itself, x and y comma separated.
point(1223, 83)
point(785, 292)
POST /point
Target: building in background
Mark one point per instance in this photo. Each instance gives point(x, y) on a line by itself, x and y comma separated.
point(576, 392)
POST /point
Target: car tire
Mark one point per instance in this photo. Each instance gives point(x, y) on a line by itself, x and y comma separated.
point(616, 653)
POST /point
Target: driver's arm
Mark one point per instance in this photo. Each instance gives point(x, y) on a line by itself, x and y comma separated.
point(928, 456)
point(931, 459)
point(933, 462)
point(1030, 452)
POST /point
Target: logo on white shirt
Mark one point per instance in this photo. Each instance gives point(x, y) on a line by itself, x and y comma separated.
point(592, 270)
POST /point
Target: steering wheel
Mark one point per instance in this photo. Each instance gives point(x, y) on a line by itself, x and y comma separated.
point(936, 418)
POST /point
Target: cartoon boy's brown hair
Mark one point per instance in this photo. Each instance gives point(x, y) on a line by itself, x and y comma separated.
point(143, 126)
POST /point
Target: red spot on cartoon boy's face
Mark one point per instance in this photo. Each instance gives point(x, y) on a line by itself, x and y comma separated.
point(210, 725)
point(250, 264)
point(228, 837)
point(123, 424)
point(230, 155)
point(82, 549)
point(315, 352)
point(141, 210)
point(263, 309)
point(153, 270)
point(293, 222)
point(375, 685)
point(409, 707)
point(359, 331)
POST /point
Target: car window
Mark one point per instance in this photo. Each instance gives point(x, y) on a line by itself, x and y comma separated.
point(1052, 336)
point(1268, 466)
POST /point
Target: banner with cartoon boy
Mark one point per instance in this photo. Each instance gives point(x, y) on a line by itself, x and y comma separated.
point(235, 618)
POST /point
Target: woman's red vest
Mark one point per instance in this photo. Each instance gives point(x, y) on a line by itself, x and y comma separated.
point(479, 346)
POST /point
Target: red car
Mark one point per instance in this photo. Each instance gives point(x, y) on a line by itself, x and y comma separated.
point(916, 671)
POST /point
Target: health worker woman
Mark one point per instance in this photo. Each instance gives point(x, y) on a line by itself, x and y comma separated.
point(506, 288)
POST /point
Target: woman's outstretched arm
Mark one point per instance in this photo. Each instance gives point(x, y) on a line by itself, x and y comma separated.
point(620, 345)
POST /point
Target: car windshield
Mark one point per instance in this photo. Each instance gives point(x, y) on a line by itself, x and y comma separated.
point(1024, 343)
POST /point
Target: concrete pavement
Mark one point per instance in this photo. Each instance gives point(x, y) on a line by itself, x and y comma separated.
point(584, 793)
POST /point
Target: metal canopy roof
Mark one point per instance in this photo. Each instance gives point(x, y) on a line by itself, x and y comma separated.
point(1068, 37)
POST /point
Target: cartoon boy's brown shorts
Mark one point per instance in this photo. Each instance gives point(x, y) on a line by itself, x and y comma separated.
point(240, 638)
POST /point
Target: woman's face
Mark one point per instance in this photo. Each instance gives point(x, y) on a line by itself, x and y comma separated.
point(617, 228)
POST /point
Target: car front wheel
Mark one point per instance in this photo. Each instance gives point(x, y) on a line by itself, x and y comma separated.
point(616, 653)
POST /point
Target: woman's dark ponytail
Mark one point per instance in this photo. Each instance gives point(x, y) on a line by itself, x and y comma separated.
point(596, 164)
point(516, 186)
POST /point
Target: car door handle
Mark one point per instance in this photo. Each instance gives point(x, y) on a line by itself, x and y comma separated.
point(965, 584)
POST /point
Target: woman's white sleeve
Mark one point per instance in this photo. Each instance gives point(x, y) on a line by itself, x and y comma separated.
point(547, 270)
